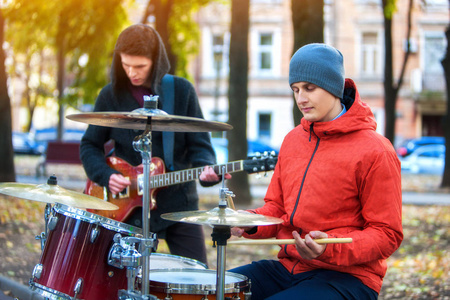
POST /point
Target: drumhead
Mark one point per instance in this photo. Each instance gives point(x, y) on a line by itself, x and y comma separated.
point(169, 261)
point(194, 281)
point(89, 217)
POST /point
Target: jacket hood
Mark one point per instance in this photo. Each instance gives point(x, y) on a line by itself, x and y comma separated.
point(149, 37)
point(359, 116)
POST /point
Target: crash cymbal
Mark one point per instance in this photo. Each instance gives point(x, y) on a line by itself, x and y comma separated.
point(221, 216)
point(133, 120)
point(52, 193)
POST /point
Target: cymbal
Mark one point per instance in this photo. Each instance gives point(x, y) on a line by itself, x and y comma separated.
point(221, 216)
point(52, 193)
point(133, 120)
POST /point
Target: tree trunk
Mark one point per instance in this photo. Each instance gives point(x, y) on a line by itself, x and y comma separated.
point(61, 65)
point(446, 65)
point(60, 88)
point(390, 94)
point(307, 20)
point(163, 11)
point(390, 90)
point(7, 172)
point(237, 96)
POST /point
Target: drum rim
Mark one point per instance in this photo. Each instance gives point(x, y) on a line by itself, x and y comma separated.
point(197, 289)
point(182, 258)
point(92, 218)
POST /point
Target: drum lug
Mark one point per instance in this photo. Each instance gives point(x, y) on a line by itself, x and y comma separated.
point(77, 288)
point(94, 234)
point(52, 221)
point(248, 295)
point(37, 271)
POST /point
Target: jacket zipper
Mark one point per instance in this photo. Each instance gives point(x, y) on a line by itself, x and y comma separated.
point(291, 221)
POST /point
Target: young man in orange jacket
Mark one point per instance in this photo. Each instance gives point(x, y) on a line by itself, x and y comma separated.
point(335, 177)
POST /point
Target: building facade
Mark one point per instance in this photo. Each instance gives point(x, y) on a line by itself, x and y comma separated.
point(356, 28)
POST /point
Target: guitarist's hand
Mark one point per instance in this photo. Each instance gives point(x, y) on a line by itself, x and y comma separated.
point(209, 175)
point(117, 183)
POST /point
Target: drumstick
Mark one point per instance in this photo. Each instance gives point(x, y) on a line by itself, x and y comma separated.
point(288, 241)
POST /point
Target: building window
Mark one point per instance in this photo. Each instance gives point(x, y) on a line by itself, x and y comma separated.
point(265, 51)
point(264, 120)
point(433, 53)
point(370, 54)
point(264, 55)
point(218, 48)
point(215, 47)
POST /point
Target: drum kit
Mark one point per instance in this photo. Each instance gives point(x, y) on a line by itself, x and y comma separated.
point(87, 256)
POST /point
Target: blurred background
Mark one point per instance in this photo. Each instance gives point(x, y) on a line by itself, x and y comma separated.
point(56, 57)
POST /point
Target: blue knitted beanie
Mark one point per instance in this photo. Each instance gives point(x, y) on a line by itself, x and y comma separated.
point(321, 65)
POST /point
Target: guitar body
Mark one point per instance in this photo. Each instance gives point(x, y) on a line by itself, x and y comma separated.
point(131, 197)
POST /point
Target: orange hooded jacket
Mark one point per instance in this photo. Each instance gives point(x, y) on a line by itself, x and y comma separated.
point(343, 178)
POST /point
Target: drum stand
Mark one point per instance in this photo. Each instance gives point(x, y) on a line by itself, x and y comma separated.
point(143, 144)
point(220, 235)
point(48, 210)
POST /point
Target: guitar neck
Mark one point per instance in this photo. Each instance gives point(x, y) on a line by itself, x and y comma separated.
point(176, 177)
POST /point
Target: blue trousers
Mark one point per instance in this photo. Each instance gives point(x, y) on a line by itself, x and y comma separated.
point(270, 280)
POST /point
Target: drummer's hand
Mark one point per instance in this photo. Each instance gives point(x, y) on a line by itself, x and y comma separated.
point(209, 175)
point(309, 249)
point(117, 183)
point(238, 231)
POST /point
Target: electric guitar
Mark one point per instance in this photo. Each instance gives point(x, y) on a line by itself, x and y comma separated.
point(131, 197)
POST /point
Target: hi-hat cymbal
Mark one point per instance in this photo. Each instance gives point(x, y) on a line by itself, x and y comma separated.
point(52, 193)
point(221, 216)
point(132, 120)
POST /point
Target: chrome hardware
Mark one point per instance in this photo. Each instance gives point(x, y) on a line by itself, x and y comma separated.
point(78, 287)
point(37, 271)
point(94, 234)
point(52, 221)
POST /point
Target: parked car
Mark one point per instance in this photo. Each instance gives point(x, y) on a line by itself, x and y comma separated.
point(408, 146)
point(23, 143)
point(428, 159)
point(220, 146)
point(43, 136)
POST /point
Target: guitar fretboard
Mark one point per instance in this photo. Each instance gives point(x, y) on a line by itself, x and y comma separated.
point(177, 177)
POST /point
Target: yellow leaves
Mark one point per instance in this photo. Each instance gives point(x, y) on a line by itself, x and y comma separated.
point(19, 210)
point(421, 266)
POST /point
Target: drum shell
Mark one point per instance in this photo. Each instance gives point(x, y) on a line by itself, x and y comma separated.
point(71, 253)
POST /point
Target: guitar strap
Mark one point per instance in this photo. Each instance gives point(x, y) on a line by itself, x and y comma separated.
point(168, 95)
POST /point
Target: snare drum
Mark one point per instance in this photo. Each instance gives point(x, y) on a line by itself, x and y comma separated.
point(186, 284)
point(169, 261)
point(74, 264)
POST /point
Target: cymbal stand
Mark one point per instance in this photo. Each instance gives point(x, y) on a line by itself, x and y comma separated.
point(143, 144)
point(220, 235)
point(48, 210)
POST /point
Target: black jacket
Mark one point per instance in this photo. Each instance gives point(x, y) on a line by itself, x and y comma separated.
point(190, 149)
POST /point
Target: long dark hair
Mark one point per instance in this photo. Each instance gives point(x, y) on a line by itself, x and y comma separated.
point(137, 40)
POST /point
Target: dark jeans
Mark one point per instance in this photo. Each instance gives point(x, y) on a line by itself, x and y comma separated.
point(270, 280)
point(187, 240)
point(183, 239)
